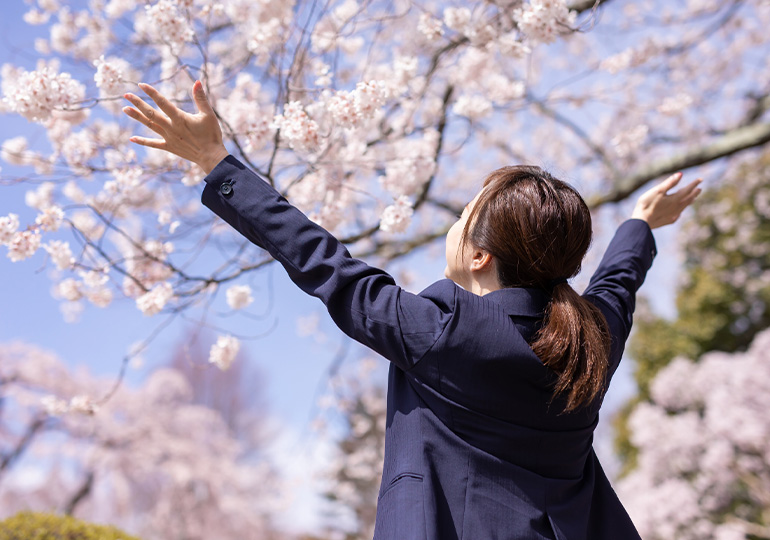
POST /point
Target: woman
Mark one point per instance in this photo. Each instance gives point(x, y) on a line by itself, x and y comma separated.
point(494, 385)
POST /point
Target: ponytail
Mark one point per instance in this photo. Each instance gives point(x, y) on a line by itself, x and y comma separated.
point(574, 342)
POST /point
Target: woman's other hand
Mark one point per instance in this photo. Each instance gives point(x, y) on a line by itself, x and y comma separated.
point(194, 137)
point(658, 208)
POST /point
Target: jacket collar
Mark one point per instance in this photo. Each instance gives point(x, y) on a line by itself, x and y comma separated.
point(525, 301)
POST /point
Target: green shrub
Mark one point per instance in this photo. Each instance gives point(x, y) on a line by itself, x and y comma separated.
point(39, 526)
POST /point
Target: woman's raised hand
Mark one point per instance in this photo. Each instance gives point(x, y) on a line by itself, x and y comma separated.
point(194, 137)
point(658, 208)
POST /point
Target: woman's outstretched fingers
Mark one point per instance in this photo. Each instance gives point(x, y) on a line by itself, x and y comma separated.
point(141, 118)
point(658, 208)
point(171, 110)
point(669, 182)
point(145, 114)
point(160, 144)
point(690, 192)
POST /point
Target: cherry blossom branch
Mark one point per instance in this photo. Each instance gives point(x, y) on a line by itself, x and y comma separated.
point(754, 529)
point(394, 249)
point(759, 108)
point(735, 141)
point(441, 128)
point(580, 134)
point(585, 5)
point(80, 494)
point(7, 459)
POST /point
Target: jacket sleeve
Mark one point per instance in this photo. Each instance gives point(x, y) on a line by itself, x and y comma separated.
point(362, 300)
point(621, 272)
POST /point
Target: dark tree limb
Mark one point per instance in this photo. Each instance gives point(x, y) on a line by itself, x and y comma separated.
point(80, 494)
point(585, 5)
point(7, 459)
point(730, 143)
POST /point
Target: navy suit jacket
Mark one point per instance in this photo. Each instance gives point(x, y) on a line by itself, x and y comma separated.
point(475, 449)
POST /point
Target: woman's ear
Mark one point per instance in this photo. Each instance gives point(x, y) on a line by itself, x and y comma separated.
point(482, 261)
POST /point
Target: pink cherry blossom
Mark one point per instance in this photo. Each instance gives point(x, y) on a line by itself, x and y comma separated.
point(397, 216)
point(23, 245)
point(430, 27)
point(15, 151)
point(297, 128)
point(60, 253)
point(8, 226)
point(544, 20)
point(51, 218)
point(36, 94)
point(166, 23)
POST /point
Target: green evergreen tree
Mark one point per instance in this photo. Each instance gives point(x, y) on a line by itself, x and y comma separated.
point(40, 526)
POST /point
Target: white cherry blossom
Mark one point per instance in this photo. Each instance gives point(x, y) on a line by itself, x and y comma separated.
point(239, 296)
point(224, 351)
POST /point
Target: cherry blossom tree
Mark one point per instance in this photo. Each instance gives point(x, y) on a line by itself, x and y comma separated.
point(368, 115)
point(148, 459)
point(704, 448)
point(353, 415)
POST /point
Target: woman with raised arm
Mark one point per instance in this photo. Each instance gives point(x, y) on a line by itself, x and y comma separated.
point(498, 372)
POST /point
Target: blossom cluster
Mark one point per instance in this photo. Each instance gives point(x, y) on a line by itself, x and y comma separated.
point(239, 296)
point(397, 216)
point(166, 21)
point(544, 20)
point(37, 94)
point(703, 441)
point(154, 300)
point(162, 462)
point(78, 404)
point(297, 128)
point(224, 351)
point(350, 109)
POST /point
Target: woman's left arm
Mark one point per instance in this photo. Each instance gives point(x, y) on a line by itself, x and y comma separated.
point(364, 301)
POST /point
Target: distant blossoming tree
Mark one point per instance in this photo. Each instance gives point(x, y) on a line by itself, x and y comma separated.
point(703, 468)
point(149, 459)
point(353, 476)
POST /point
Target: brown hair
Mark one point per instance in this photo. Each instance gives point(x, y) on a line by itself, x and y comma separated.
point(538, 228)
